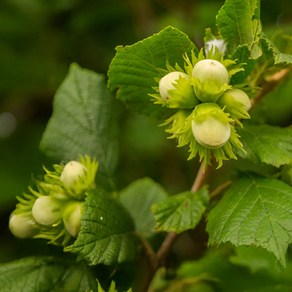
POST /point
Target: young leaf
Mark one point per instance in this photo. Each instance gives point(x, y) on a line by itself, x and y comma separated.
point(107, 231)
point(268, 144)
point(138, 198)
point(134, 68)
point(82, 121)
point(46, 274)
point(254, 211)
point(239, 23)
point(180, 212)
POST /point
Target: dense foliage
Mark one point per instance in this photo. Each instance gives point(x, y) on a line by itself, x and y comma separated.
point(226, 103)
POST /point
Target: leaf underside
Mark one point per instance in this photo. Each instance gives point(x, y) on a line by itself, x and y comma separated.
point(83, 121)
point(46, 274)
point(138, 198)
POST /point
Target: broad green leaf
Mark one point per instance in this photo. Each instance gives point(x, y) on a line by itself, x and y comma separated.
point(279, 58)
point(239, 23)
point(134, 68)
point(82, 121)
point(46, 274)
point(267, 144)
point(208, 267)
point(107, 232)
point(138, 198)
point(216, 269)
point(255, 211)
point(180, 212)
point(255, 259)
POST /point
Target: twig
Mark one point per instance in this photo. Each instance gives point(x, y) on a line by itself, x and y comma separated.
point(203, 172)
point(201, 176)
point(217, 191)
point(165, 247)
point(171, 237)
point(273, 81)
point(157, 260)
point(151, 256)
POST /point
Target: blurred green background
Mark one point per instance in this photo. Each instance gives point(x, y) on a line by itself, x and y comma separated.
point(38, 41)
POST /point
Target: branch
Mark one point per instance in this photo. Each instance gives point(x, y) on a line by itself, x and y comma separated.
point(165, 247)
point(171, 237)
point(273, 81)
point(217, 191)
point(200, 178)
point(157, 260)
point(150, 254)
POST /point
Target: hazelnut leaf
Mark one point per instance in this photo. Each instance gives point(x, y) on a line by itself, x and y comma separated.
point(138, 198)
point(83, 121)
point(107, 231)
point(239, 24)
point(180, 212)
point(255, 211)
point(267, 144)
point(134, 68)
point(279, 57)
point(46, 274)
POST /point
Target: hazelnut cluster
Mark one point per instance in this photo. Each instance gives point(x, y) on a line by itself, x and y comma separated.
point(53, 208)
point(207, 106)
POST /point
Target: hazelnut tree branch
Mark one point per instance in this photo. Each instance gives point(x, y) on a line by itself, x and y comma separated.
point(171, 237)
point(200, 178)
point(150, 254)
point(218, 190)
point(165, 247)
point(157, 260)
point(272, 82)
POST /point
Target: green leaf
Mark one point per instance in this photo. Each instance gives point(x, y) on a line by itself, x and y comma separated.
point(242, 55)
point(267, 144)
point(254, 211)
point(255, 259)
point(82, 121)
point(180, 212)
point(279, 58)
point(134, 68)
point(107, 232)
point(239, 23)
point(46, 274)
point(138, 198)
point(216, 269)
